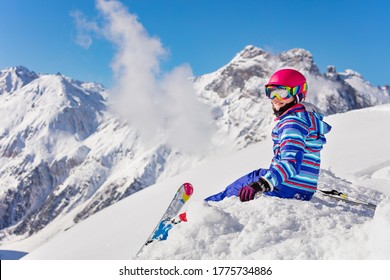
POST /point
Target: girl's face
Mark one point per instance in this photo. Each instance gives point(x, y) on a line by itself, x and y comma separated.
point(279, 103)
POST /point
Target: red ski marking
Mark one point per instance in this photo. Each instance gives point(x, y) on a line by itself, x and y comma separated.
point(183, 217)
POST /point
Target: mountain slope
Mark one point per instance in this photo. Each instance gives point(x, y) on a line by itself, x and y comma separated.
point(266, 228)
point(61, 148)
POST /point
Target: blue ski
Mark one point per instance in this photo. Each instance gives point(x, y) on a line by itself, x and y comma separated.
point(166, 222)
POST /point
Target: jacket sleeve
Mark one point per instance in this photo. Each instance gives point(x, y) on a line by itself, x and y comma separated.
point(288, 153)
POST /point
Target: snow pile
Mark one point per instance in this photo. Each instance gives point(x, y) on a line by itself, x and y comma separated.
point(379, 231)
point(272, 228)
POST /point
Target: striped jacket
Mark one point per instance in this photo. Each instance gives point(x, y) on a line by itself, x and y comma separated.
point(298, 138)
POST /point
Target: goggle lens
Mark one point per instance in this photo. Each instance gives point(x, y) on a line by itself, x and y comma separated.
point(280, 92)
point(284, 92)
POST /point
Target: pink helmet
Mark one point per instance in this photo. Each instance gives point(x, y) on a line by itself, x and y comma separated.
point(290, 78)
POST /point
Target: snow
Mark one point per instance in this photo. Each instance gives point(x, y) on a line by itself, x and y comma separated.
point(356, 154)
point(364, 136)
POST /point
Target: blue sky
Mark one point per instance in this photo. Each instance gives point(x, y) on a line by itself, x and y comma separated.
point(206, 34)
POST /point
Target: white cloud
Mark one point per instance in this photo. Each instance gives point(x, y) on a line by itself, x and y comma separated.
point(84, 29)
point(163, 106)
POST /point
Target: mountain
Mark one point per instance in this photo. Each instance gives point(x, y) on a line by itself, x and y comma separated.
point(14, 78)
point(66, 155)
point(241, 108)
point(265, 228)
point(61, 148)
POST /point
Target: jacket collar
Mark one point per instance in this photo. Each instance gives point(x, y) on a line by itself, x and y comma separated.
point(294, 109)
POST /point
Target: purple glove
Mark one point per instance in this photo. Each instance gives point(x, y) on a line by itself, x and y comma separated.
point(248, 192)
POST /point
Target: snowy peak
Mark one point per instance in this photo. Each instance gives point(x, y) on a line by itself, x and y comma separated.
point(249, 64)
point(247, 73)
point(250, 52)
point(360, 92)
point(45, 123)
point(299, 59)
point(14, 78)
point(349, 73)
point(51, 101)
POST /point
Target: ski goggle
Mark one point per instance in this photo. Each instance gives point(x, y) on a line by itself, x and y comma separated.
point(284, 92)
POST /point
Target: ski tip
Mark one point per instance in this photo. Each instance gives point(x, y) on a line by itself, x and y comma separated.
point(188, 189)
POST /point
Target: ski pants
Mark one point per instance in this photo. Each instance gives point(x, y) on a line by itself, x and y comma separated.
point(281, 190)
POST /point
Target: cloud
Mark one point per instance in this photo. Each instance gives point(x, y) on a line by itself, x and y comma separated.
point(84, 29)
point(162, 106)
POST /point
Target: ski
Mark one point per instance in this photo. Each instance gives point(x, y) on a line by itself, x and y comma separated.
point(170, 216)
point(341, 196)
